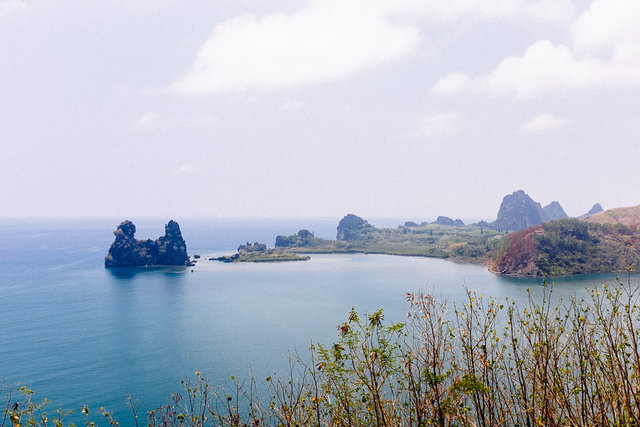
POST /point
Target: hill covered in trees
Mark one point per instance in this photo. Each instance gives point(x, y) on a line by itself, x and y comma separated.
point(569, 246)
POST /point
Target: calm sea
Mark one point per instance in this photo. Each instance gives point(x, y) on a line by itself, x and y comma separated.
point(78, 333)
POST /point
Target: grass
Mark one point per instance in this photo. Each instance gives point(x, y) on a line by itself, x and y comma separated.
point(269, 255)
point(468, 244)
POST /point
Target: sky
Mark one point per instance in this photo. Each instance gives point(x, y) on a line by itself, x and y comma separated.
point(275, 108)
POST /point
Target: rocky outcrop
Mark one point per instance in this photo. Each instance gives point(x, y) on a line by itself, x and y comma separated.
point(518, 211)
point(127, 251)
point(301, 238)
point(352, 227)
point(445, 220)
point(597, 208)
point(553, 212)
point(253, 247)
point(259, 252)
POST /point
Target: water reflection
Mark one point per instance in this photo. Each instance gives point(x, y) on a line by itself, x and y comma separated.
point(127, 273)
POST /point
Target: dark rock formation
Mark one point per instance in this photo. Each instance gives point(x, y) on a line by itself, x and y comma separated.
point(518, 211)
point(410, 224)
point(172, 250)
point(553, 211)
point(445, 220)
point(351, 227)
point(597, 208)
point(127, 251)
point(301, 238)
point(253, 247)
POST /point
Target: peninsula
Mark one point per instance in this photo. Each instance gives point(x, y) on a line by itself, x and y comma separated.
point(355, 235)
point(526, 239)
point(259, 252)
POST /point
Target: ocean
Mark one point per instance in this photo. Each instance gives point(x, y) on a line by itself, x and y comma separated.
point(79, 334)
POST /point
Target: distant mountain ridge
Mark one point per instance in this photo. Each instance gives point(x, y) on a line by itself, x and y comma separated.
point(519, 211)
point(597, 208)
point(553, 212)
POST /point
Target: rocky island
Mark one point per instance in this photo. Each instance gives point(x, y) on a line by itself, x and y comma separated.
point(127, 251)
point(259, 252)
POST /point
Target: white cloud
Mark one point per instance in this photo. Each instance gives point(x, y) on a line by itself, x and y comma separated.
point(292, 106)
point(544, 122)
point(438, 125)
point(605, 52)
point(554, 11)
point(544, 67)
point(10, 7)
point(607, 24)
point(333, 39)
point(145, 121)
point(204, 120)
point(345, 108)
point(326, 40)
point(451, 83)
point(185, 169)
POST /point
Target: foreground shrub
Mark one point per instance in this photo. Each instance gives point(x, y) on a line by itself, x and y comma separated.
point(480, 363)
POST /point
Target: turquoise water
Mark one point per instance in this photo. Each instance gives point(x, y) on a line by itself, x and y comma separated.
point(81, 334)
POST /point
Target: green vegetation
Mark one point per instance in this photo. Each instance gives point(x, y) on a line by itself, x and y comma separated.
point(301, 238)
point(479, 363)
point(606, 242)
point(258, 252)
point(270, 255)
point(569, 246)
point(467, 243)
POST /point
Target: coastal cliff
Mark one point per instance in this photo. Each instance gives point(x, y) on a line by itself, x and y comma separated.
point(127, 251)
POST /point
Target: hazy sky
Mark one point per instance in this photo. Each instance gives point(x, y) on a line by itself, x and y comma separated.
point(383, 108)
